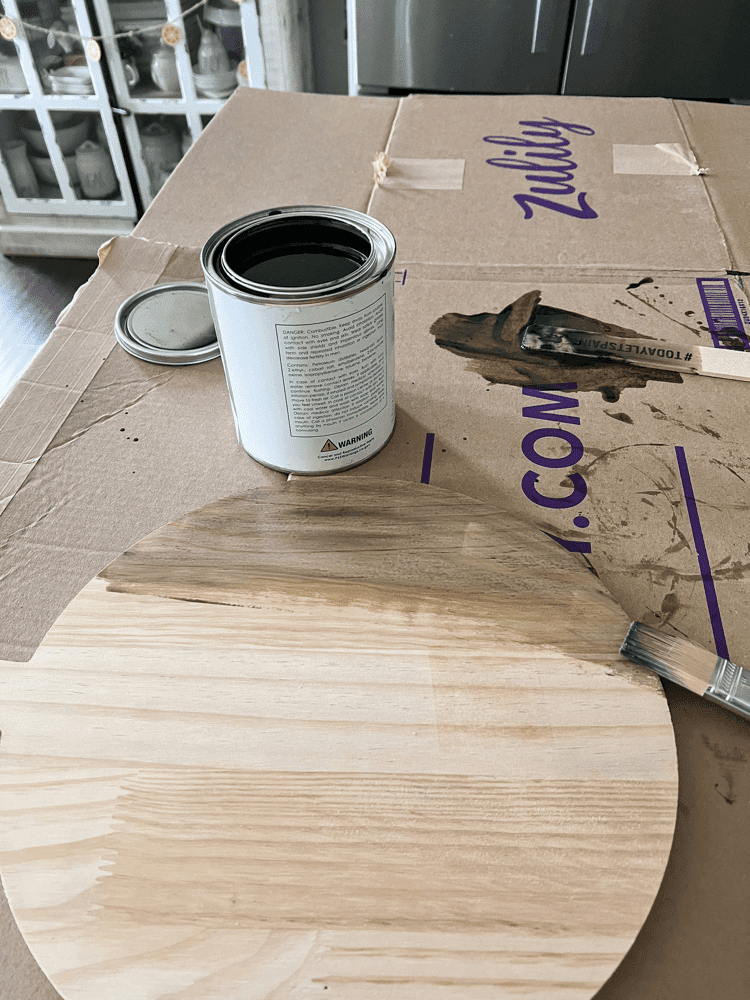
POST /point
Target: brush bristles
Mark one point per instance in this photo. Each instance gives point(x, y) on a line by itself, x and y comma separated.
point(671, 657)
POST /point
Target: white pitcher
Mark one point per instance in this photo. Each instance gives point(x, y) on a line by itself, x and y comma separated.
point(164, 70)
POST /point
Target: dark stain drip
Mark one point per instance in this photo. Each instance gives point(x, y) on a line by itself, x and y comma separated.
point(669, 606)
point(643, 281)
point(492, 342)
point(620, 416)
point(708, 430)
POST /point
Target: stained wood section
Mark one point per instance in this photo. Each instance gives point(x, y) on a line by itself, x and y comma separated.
point(344, 738)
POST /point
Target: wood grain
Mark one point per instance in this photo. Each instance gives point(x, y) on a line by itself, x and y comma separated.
point(343, 738)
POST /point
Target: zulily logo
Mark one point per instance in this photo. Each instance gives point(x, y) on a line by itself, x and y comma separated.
point(546, 158)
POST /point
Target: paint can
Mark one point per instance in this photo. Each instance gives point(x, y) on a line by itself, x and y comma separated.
point(302, 301)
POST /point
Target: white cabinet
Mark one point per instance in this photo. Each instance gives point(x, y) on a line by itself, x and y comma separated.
point(170, 114)
point(52, 210)
point(67, 203)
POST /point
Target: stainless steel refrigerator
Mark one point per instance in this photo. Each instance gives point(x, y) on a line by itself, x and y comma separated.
point(693, 49)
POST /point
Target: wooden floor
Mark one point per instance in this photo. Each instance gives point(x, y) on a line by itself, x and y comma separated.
point(33, 291)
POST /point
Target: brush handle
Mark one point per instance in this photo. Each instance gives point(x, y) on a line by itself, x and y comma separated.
point(717, 362)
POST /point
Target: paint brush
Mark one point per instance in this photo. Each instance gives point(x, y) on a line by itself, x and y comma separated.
point(679, 660)
point(731, 361)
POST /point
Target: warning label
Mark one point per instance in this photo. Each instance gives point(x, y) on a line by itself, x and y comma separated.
point(329, 446)
point(335, 373)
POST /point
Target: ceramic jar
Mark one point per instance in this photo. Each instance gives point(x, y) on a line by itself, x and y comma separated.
point(164, 69)
point(161, 145)
point(96, 173)
point(20, 169)
point(212, 56)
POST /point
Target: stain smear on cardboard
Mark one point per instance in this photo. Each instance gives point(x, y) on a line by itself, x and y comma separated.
point(492, 342)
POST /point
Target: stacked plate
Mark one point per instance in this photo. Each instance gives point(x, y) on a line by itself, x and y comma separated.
point(71, 80)
point(216, 85)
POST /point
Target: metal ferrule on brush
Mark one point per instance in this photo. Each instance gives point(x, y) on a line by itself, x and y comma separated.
point(684, 663)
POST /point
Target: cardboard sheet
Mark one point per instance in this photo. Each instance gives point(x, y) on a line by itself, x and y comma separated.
point(644, 479)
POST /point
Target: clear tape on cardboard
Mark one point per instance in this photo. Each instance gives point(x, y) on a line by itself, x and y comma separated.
point(418, 175)
point(667, 158)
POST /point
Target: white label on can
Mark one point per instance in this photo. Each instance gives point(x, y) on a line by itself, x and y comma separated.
point(335, 372)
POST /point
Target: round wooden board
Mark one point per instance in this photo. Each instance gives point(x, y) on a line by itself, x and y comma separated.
point(343, 739)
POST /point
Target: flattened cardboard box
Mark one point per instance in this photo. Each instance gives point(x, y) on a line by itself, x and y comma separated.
point(628, 213)
point(641, 227)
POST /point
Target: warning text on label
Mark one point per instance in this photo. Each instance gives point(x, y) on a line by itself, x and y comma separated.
point(335, 373)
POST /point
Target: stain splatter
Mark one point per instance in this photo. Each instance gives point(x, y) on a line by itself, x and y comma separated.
point(492, 342)
point(620, 416)
point(680, 541)
point(661, 415)
point(735, 755)
point(715, 461)
point(726, 758)
point(643, 281)
point(652, 305)
point(729, 797)
point(709, 431)
point(669, 606)
point(599, 454)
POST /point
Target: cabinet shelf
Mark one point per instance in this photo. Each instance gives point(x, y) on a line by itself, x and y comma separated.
point(60, 220)
point(189, 111)
point(57, 235)
point(39, 216)
point(44, 179)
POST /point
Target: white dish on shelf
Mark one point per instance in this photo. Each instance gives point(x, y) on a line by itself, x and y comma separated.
point(68, 137)
point(71, 80)
point(224, 16)
point(71, 90)
point(46, 172)
point(216, 85)
point(216, 95)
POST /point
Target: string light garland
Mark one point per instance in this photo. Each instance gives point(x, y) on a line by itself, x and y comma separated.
point(169, 32)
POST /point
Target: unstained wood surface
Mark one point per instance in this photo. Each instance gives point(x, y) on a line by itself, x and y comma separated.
point(343, 739)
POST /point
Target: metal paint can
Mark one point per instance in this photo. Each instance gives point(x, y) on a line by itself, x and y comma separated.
point(302, 302)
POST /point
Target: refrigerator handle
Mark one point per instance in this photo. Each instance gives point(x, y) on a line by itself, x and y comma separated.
point(594, 22)
point(544, 19)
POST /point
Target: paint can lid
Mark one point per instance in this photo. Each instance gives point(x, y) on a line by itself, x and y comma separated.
point(168, 324)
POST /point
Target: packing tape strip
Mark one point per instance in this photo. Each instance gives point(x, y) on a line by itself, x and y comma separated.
point(420, 175)
point(669, 158)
